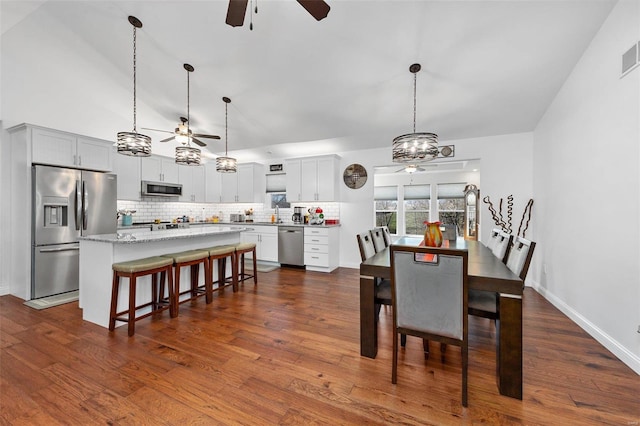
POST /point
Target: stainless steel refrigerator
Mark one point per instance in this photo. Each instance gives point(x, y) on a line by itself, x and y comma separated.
point(67, 203)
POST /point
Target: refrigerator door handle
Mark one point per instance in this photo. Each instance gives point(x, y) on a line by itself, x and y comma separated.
point(85, 205)
point(55, 250)
point(78, 205)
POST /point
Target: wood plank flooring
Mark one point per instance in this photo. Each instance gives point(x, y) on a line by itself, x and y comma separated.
point(287, 352)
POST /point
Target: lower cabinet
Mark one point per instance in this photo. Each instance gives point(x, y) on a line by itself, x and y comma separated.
point(265, 239)
point(321, 248)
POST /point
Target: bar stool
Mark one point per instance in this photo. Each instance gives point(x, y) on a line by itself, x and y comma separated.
point(221, 253)
point(132, 270)
point(193, 259)
point(241, 250)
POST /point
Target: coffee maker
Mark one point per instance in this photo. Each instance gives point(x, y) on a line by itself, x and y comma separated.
point(298, 215)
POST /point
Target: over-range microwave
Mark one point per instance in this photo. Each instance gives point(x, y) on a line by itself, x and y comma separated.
point(161, 189)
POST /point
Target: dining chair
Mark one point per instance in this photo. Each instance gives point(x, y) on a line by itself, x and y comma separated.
point(503, 244)
point(377, 234)
point(449, 232)
point(493, 238)
point(387, 235)
point(430, 299)
point(366, 246)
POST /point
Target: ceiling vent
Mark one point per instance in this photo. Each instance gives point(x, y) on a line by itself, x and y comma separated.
point(630, 59)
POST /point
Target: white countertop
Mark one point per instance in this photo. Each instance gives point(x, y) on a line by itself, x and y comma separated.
point(148, 236)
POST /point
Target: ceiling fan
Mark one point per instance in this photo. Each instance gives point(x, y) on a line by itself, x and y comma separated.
point(237, 10)
point(183, 133)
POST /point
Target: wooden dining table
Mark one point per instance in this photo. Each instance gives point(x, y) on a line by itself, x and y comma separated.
point(486, 272)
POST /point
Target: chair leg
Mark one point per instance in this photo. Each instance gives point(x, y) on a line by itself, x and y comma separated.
point(154, 292)
point(114, 301)
point(208, 280)
point(176, 293)
point(132, 305)
point(425, 348)
point(403, 340)
point(255, 268)
point(394, 365)
point(465, 367)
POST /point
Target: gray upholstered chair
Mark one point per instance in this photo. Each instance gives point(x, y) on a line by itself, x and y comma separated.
point(503, 244)
point(449, 232)
point(429, 295)
point(377, 234)
point(493, 238)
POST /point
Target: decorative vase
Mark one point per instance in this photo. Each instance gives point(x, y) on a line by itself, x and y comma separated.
point(432, 234)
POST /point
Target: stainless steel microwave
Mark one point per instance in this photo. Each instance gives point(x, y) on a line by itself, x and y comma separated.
point(161, 189)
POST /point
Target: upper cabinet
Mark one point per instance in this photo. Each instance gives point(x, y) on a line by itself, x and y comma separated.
point(66, 149)
point(247, 185)
point(159, 169)
point(192, 180)
point(128, 170)
point(212, 183)
point(313, 178)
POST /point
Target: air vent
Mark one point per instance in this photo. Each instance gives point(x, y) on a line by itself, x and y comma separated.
point(630, 59)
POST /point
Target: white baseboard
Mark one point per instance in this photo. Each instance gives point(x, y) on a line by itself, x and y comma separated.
point(622, 353)
point(4, 290)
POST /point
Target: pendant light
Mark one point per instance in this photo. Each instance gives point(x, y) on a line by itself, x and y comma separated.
point(226, 164)
point(187, 155)
point(134, 143)
point(414, 147)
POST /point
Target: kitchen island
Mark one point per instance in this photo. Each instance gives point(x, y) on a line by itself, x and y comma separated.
point(99, 252)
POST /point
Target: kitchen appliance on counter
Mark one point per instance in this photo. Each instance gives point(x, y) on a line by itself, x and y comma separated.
point(66, 204)
point(298, 215)
point(291, 245)
point(167, 226)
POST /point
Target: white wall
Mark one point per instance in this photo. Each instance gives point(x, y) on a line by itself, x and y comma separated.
point(586, 165)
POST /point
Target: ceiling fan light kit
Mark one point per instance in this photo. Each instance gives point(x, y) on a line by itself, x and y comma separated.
point(415, 147)
point(134, 143)
point(226, 164)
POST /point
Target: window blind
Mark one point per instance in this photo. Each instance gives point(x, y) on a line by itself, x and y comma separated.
point(385, 193)
point(451, 190)
point(417, 192)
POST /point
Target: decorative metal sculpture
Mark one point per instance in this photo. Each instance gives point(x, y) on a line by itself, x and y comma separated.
point(499, 219)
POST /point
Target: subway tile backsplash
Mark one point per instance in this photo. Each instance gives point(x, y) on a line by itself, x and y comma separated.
point(152, 209)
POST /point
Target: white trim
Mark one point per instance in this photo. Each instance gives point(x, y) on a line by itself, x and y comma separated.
point(603, 338)
point(4, 290)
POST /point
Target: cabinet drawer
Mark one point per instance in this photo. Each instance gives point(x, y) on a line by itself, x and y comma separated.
point(308, 230)
point(316, 239)
point(316, 259)
point(316, 248)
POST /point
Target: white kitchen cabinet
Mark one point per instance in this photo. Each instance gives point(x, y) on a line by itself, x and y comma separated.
point(313, 179)
point(247, 185)
point(159, 169)
point(321, 248)
point(192, 180)
point(128, 170)
point(57, 148)
point(266, 240)
point(212, 184)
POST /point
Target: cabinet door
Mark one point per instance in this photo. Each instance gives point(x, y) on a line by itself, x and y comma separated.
point(326, 179)
point(251, 237)
point(128, 170)
point(212, 184)
point(245, 183)
point(55, 148)
point(268, 247)
point(150, 168)
point(293, 170)
point(198, 176)
point(170, 170)
point(94, 154)
point(309, 182)
point(229, 185)
point(185, 178)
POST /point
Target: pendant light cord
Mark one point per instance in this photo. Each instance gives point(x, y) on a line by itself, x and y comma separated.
point(134, 80)
point(188, 118)
point(414, 102)
point(226, 128)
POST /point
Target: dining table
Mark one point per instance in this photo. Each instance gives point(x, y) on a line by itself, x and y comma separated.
point(485, 272)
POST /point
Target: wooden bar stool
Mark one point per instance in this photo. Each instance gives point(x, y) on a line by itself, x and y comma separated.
point(221, 253)
point(241, 250)
point(192, 259)
point(132, 270)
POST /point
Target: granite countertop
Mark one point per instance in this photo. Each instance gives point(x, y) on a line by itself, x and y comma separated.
point(249, 224)
point(171, 234)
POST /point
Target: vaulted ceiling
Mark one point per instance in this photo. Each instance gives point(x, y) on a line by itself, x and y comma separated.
point(343, 83)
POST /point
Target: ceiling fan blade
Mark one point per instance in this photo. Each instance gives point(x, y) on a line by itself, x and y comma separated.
point(168, 139)
point(156, 130)
point(198, 142)
point(201, 135)
point(236, 11)
point(317, 8)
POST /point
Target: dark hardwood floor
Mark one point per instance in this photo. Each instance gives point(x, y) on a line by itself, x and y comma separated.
point(287, 352)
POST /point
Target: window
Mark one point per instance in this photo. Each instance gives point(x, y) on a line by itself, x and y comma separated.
point(451, 205)
point(386, 207)
point(279, 200)
point(416, 208)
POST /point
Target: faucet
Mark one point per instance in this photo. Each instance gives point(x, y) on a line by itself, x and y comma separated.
point(278, 220)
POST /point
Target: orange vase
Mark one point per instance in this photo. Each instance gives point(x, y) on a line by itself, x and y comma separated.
point(432, 234)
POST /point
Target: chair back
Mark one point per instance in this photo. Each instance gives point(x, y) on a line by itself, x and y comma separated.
point(429, 293)
point(503, 244)
point(387, 235)
point(365, 243)
point(449, 232)
point(493, 238)
point(377, 235)
point(520, 257)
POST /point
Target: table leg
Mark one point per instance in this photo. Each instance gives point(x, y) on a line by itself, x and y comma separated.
point(368, 328)
point(509, 346)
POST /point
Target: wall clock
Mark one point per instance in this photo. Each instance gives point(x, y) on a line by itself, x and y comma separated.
point(355, 176)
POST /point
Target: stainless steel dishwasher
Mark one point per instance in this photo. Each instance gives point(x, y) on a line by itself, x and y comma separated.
point(291, 245)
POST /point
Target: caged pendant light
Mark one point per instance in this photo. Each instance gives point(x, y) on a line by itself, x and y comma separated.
point(134, 143)
point(226, 164)
point(186, 154)
point(415, 147)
